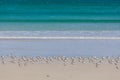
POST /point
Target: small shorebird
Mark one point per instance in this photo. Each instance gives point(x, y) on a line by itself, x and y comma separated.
point(2, 59)
point(72, 60)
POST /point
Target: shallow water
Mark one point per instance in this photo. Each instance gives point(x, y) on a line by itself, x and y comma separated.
point(60, 47)
point(38, 26)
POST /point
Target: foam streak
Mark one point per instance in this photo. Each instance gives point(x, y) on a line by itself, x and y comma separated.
point(60, 38)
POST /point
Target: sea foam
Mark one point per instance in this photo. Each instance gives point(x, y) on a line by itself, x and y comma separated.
point(59, 34)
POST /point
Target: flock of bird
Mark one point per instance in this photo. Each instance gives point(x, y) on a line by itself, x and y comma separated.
point(25, 60)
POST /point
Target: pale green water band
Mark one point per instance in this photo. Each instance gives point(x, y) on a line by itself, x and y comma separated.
point(69, 21)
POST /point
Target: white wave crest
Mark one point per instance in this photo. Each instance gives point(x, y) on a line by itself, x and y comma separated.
point(60, 38)
point(59, 33)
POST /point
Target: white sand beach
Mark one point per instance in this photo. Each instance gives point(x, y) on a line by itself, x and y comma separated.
point(59, 68)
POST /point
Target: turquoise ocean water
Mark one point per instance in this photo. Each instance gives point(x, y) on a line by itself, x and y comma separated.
point(56, 15)
point(59, 16)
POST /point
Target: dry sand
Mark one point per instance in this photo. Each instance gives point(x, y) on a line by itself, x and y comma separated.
point(56, 70)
